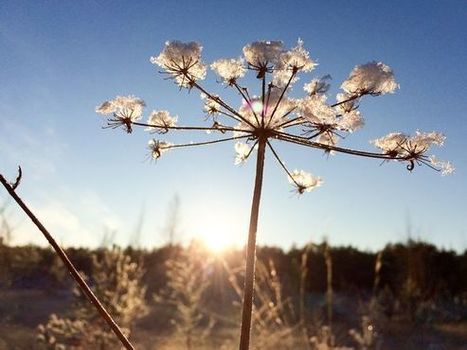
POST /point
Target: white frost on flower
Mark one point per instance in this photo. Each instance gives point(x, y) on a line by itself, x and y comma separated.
point(373, 78)
point(328, 139)
point(253, 112)
point(426, 139)
point(211, 106)
point(344, 105)
point(156, 148)
point(262, 54)
point(229, 69)
point(351, 121)
point(318, 85)
point(296, 59)
point(392, 143)
point(242, 151)
point(161, 121)
point(446, 168)
point(281, 77)
point(303, 181)
point(316, 111)
point(130, 107)
point(409, 146)
point(182, 61)
point(290, 62)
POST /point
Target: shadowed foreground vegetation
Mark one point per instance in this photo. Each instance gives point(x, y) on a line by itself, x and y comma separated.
point(408, 296)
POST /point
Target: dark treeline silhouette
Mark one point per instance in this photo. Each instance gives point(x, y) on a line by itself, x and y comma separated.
point(420, 266)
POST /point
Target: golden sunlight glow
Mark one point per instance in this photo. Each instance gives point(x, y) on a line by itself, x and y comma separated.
point(218, 234)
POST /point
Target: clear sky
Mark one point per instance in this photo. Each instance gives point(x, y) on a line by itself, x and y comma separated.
point(60, 59)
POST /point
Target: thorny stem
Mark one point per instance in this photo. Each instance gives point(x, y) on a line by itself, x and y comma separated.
point(70, 267)
point(251, 250)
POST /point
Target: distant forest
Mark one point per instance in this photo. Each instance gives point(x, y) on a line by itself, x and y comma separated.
point(431, 271)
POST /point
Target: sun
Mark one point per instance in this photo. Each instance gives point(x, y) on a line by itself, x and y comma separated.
point(218, 236)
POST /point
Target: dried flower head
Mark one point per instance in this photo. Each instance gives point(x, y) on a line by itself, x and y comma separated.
point(229, 69)
point(156, 148)
point(122, 111)
point(303, 181)
point(374, 78)
point(318, 85)
point(262, 56)
point(242, 152)
point(161, 121)
point(182, 61)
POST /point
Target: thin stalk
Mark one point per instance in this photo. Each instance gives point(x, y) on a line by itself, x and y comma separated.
point(70, 267)
point(206, 142)
point(222, 103)
point(247, 100)
point(354, 97)
point(248, 288)
point(281, 96)
point(198, 128)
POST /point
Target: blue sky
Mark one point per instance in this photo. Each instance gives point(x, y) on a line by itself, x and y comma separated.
point(60, 59)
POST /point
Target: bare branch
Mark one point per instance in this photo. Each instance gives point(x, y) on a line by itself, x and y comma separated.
point(69, 265)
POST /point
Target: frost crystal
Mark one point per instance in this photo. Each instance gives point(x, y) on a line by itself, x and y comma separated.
point(305, 182)
point(182, 61)
point(296, 59)
point(373, 78)
point(229, 69)
point(160, 121)
point(408, 146)
point(263, 56)
point(318, 86)
point(262, 53)
point(242, 151)
point(315, 110)
point(123, 106)
point(156, 148)
point(122, 111)
point(346, 103)
point(351, 121)
point(211, 106)
point(392, 143)
point(446, 168)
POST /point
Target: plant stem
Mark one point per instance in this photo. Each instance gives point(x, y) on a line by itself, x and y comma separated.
point(70, 267)
point(251, 250)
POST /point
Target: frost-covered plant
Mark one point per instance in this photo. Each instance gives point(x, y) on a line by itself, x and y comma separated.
point(187, 282)
point(117, 283)
point(270, 115)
